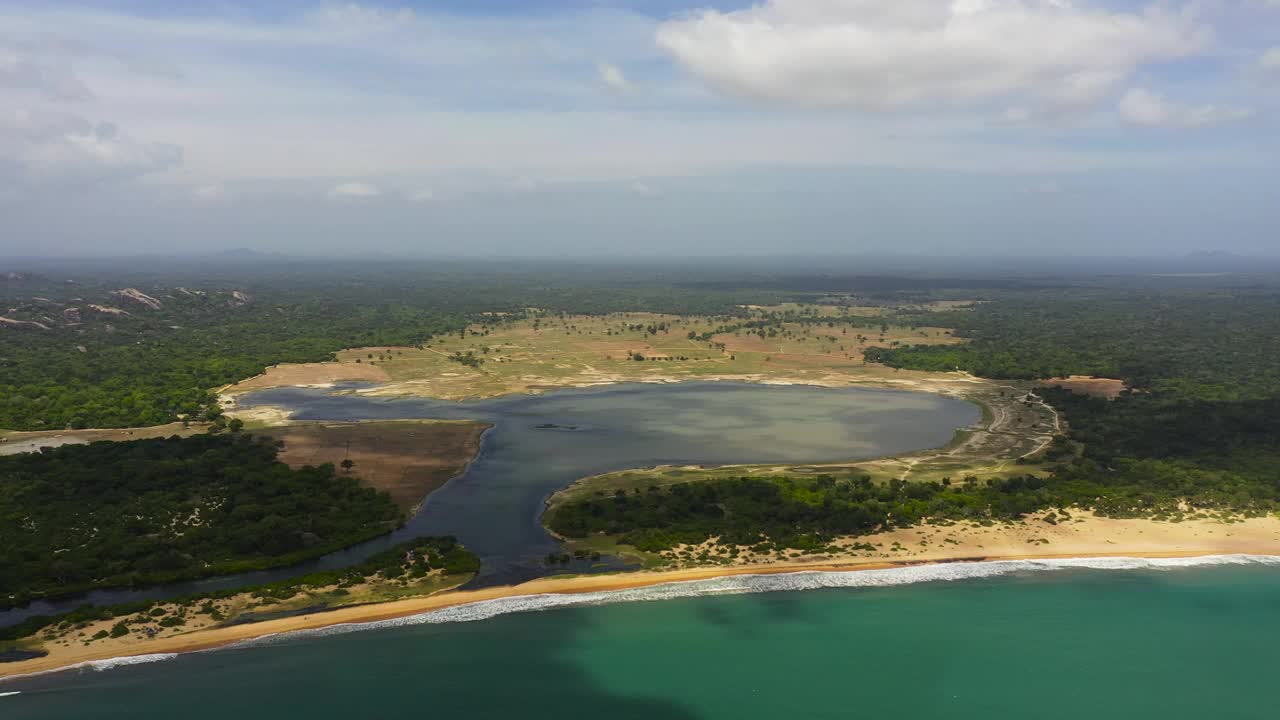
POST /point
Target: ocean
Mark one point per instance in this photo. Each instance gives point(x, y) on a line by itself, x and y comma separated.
point(1085, 639)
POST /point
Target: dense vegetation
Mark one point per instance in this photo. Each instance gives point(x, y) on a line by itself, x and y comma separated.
point(781, 512)
point(808, 513)
point(1208, 344)
point(135, 364)
point(154, 366)
point(1200, 425)
point(1201, 419)
point(1199, 431)
point(147, 511)
point(427, 553)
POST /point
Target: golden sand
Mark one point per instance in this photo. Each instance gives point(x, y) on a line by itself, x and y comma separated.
point(1084, 536)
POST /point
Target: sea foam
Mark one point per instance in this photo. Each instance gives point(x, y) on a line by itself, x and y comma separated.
point(731, 585)
point(112, 663)
point(780, 582)
point(97, 665)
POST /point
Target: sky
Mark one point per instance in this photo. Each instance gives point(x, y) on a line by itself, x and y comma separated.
point(625, 128)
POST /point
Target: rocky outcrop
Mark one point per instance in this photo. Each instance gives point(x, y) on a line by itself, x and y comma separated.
point(108, 310)
point(239, 298)
point(136, 296)
point(71, 315)
point(22, 324)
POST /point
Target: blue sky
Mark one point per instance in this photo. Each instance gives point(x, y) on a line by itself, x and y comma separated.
point(579, 127)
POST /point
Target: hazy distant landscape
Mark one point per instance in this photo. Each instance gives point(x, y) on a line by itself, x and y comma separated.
point(606, 358)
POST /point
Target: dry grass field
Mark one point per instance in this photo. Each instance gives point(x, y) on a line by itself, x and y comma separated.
point(1108, 388)
point(20, 442)
point(529, 355)
point(408, 459)
point(305, 374)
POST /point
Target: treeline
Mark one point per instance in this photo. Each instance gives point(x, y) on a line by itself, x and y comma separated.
point(156, 366)
point(112, 514)
point(1201, 418)
point(1200, 430)
point(152, 365)
point(415, 558)
point(781, 512)
point(1160, 446)
point(1162, 425)
point(1213, 344)
point(808, 513)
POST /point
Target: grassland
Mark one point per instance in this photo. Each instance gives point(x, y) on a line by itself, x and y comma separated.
point(545, 351)
point(822, 345)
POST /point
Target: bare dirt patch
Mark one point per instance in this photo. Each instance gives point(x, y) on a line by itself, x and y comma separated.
point(1109, 388)
point(407, 459)
point(314, 374)
point(20, 442)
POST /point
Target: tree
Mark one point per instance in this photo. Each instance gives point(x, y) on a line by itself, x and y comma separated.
point(347, 464)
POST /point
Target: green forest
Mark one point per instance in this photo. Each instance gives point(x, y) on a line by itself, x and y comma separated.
point(1197, 431)
point(156, 366)
point(112, 514)
point(427, 553)
point(1209, 344)
point(808, 513)
point(77, 367)
point(1198, 424)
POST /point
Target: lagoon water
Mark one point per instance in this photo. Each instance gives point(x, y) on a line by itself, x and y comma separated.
point(541, 443)
point(1018, 640)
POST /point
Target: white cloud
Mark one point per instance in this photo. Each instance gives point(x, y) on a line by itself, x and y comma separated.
point(350, 15)
point(1140, 106)
point(877, 55)
point(56, 148)
point(51, 77)
point(644, 189)
point(1269, 63)
point(354, 191)
point(209, 193)
point(612, 76)
point(406, 100)
point(1044, 187)
point(425, 195)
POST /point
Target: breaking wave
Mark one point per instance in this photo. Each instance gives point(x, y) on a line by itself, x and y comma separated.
point(782, 582)
point(97, 665)
point(112, 663)
point(732, 585)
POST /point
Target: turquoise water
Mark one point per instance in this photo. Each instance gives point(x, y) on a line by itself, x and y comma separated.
point(1068, 643)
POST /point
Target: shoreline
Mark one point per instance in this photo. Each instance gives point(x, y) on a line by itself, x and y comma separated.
point(950, 383)
point(203, 640)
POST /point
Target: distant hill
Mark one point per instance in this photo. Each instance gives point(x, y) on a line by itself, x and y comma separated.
point(244, 252)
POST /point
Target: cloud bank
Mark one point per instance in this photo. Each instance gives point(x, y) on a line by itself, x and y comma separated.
point(875, 55)
point(1140, 106)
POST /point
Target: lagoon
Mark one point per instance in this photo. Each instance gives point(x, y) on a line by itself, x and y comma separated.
point(541, 443)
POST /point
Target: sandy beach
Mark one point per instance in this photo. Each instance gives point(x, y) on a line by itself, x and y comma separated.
point(1085, 536)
